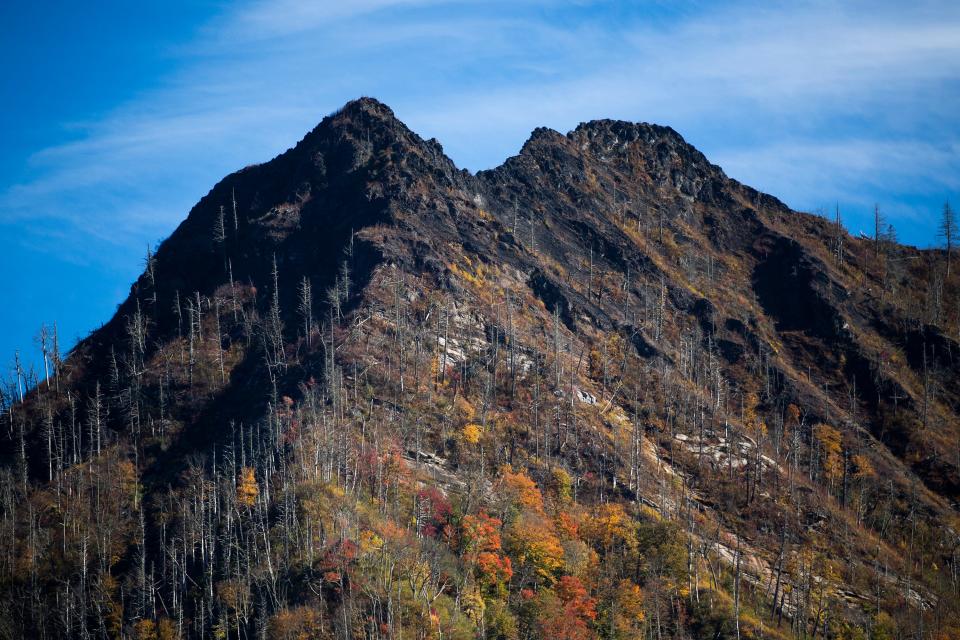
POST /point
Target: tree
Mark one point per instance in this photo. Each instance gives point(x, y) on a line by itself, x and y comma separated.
point(219, 230)
point(879, 224)
point(521, 491)
point(305, 307)
point(247, 488)
point(628, 613)
point(233, 201)
point(564, 613)
point(220, 236)
point(482, 549)
point(472, 433)
point(609, 527)
point(948, 231)
point(43, 339)
point(535, 546)
point(575, 598)
point(831, 449)
point(839, 233)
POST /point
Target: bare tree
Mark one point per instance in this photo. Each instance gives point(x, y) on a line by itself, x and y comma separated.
point(233, 201)
point(57, 362)
point(219, 230)
point(220, 235)
point(150, 272)
point(18, 372)
point(94, 420)
point(948, 231)
point(43, 338)
point(838, 236)
point(305, 308)
point(736, 588)
point(879, 225)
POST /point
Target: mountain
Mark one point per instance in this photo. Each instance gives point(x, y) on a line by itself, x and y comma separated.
point(602, 390)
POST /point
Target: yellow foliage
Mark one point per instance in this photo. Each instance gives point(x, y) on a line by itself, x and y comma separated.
point(609, 525)
point(562, 484)
point(300, 623)
point(830, 443)
point(651, 513)
point(128, 479)
point(370, 542)
point(534, 543)
point(435, 364)
point(579, 558)
point(473, 605)
point(145, 630)
point(476, 277)
point(750, 416)
point(607, 358)
point(629, 616)
point(472, 433)
point(247, 488)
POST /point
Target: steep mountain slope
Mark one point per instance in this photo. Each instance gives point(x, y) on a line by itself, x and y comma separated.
point(600, 390)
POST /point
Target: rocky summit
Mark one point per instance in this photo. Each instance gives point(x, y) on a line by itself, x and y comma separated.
point(602, 390)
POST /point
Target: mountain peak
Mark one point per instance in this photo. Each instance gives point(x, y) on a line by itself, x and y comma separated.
point(368, 105)
point(365, 123)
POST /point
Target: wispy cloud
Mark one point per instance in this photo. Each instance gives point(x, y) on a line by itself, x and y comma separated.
point(816, 175)
point(808, 100)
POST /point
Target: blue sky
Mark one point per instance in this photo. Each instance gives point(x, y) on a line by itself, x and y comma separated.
point(118, 116)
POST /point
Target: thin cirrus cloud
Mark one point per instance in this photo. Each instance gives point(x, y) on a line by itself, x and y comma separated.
point(810, 101)
point(854, 171)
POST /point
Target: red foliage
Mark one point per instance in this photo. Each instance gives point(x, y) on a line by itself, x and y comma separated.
point(575, 599)
point(436, 510)
point(566, 612)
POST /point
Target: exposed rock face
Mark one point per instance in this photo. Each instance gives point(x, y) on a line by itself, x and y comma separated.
point(602, 278)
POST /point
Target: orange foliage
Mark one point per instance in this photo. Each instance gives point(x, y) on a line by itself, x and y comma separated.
point(567, 525)
point(481, 533)
point(482, 546)
point(521, 490)
point(493, 568)
point(864, 469)
point(793, 415)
